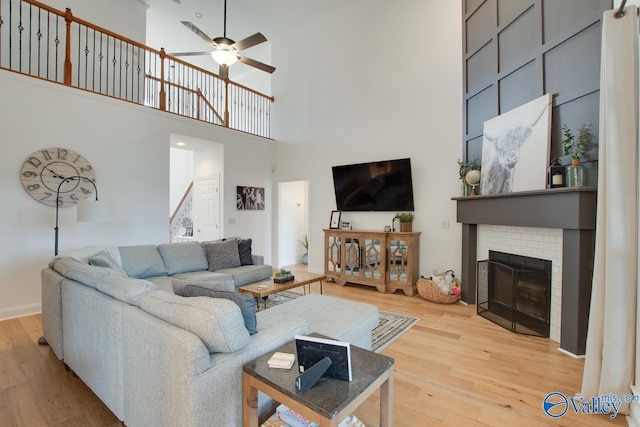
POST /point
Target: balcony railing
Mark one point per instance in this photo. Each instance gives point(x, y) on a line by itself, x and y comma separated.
point(40, 41)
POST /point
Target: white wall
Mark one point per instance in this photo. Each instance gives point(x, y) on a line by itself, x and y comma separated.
point(128, 145)
point(292, 221)
point(180, 174)
point(374, 80)
point(124, 17)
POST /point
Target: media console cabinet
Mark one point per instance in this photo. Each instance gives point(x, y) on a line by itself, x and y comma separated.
point(387, 260)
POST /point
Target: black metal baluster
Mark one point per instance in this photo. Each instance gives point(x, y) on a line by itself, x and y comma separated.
point(30, 41)
point(86, 57)
point(100, 57)
point(114, 62)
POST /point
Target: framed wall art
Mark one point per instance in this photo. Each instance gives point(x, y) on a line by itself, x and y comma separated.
point(345, 225)
point(515, 149)
point(249, 198)
point(335, 219)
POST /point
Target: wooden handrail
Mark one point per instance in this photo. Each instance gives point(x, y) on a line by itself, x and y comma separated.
point(184, 196)
point(248, 89)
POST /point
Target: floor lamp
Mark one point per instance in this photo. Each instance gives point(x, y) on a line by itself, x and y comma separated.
point(88, 211)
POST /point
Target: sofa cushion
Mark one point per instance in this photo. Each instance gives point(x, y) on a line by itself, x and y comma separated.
point(244, 251)
point(103, 259)
point(248, 273)
point(103, 279)
point(83, 254)
point(222, 254)
point(213, 285)
point(142, 261)
point(73, 269)
point(201, 276)
point(337, 318)
point(125, 289)
point(217, 322)
point(245, 302)
point(183, 257)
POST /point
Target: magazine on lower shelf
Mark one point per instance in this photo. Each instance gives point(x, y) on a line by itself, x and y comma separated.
point(291, 418)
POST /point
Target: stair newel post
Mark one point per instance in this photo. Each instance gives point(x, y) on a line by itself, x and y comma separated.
point(68, 17)
point(163, 93)
point(226, 102)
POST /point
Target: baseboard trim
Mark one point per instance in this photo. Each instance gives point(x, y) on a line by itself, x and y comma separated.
point(568, 353)
point(20, 311)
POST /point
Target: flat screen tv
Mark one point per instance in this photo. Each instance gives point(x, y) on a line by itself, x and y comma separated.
point(374, 186)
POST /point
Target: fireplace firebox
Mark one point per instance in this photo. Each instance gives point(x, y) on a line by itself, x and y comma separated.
point(514, 291)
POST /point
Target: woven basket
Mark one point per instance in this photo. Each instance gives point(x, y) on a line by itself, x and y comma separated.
point(430, 291)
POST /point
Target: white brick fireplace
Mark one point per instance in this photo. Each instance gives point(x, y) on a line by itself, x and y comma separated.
point(544, 243)
point(555, 224)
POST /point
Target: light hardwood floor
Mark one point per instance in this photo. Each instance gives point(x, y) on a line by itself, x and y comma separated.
point(453, 368)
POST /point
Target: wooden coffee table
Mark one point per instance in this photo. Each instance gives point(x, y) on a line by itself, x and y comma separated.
point(267, 287)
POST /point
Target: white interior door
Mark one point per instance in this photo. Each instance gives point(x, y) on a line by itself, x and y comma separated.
point(207, 221)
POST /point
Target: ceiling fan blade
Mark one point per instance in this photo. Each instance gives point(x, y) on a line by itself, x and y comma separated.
point(199, 32)
point(188, 53)
point(256, 64)
point(250, 41)
point(223, 73)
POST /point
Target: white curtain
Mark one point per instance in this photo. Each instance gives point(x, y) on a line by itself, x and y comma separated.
point(610, 351)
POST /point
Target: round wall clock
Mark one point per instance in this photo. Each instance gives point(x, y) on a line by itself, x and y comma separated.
point(48, 169)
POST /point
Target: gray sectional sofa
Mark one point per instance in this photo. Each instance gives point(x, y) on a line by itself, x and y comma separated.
point(159, 359)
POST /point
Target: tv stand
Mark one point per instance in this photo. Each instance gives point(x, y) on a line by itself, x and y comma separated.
point(386, 260)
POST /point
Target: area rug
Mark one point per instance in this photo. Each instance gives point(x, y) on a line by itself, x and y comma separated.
point(390, 326)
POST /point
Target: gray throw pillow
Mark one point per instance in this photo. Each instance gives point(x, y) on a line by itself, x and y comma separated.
point(222, 254)
point(103, 259)
point(244, 251)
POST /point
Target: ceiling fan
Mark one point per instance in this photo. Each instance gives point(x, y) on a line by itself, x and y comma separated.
point(225, 51)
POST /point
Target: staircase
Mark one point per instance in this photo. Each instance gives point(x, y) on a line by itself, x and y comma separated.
point(181, 222)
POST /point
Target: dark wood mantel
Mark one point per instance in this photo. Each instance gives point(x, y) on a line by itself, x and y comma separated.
point(571, 209)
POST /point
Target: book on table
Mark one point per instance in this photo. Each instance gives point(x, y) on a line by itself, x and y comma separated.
point(281, 360)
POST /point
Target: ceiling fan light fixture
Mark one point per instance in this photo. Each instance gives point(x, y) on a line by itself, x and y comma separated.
point(224, 56)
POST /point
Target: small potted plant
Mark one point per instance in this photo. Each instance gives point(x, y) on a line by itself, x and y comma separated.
point(305, 245)
point(406, 220)
point(283, 276)
point(575, 148)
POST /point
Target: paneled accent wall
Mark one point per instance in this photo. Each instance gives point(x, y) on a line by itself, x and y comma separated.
point(517, 50)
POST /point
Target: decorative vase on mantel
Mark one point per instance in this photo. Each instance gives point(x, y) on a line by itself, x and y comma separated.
point(575, 174)
point(466, 188)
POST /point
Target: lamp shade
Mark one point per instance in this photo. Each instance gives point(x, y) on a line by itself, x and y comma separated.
point(224, 57)
point(95, 211)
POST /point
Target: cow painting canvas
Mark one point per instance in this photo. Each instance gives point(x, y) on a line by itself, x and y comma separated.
point(515, 149)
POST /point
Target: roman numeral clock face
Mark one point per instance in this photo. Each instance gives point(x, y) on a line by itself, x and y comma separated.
point(48, 169)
